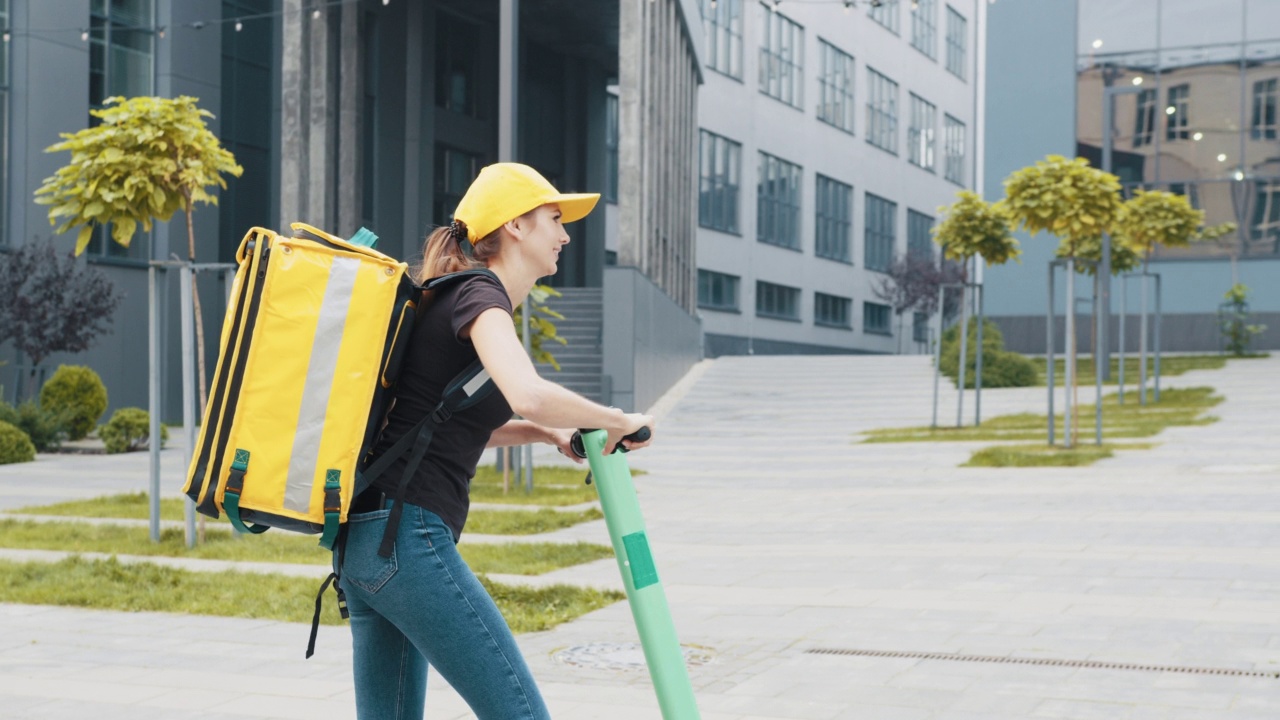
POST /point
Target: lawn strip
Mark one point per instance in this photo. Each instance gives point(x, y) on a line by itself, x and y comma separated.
point(112, 585)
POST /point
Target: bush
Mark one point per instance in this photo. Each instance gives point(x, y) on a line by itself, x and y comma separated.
point(78, 393)
point(44, 428)
point(15, 446)
point(1000, 368)
point(129, 429)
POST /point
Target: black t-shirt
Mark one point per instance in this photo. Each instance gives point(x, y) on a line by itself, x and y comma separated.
point(436, 355)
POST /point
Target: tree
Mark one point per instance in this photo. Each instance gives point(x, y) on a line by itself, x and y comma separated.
point(1156, 217)
point(911, 284)
point(50, 303)
point(972, 226)
point(541, 328)
point(148, 158)
point(1073, 201)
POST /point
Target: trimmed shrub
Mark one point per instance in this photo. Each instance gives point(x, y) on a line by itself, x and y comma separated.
point(1000, 368)
point(78, 392)
point(15, 446)
point(129, 429)
point(44, 428)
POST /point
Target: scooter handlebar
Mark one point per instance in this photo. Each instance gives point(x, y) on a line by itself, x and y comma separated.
point(641, 435)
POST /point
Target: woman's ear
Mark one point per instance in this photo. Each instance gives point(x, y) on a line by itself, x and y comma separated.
point(513, 228)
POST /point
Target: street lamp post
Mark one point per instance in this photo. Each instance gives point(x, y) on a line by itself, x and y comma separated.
point(1103, 311)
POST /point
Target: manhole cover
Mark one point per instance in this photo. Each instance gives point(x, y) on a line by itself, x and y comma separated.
point(622, 656)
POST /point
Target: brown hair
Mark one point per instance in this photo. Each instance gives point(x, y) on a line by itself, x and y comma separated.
point(442, 254)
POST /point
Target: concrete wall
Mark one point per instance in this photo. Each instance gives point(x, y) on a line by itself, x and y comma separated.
point(649, 340)
point(1179, 332)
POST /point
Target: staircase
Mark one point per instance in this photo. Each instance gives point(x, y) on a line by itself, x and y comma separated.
point(582, 359)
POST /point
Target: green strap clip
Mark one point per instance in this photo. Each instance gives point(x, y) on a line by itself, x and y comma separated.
point(231, 496)
point(332, 507)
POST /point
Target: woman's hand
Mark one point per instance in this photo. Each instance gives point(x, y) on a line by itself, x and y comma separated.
point(628, 424)
point(562, 439)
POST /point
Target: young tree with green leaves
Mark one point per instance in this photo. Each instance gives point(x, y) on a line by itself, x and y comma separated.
point(1075, 202)
point(148, 158)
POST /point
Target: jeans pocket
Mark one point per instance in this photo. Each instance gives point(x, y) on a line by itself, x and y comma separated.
point(363, 567)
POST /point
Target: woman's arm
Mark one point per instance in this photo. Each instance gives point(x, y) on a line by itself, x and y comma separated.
point(523, 432)
point(537, 399)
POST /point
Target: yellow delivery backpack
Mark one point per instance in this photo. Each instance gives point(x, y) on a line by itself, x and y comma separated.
point(313, 338)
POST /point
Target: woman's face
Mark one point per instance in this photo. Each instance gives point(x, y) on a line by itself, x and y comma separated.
point(543, 239)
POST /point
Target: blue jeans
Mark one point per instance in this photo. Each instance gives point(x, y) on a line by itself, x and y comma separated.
point(424, 605)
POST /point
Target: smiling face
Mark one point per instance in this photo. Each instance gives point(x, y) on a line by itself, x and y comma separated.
point(543, 238)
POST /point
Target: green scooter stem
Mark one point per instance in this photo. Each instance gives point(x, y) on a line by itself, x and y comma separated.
point(640, 577)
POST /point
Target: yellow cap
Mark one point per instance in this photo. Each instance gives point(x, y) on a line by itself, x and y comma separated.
point(505, 191)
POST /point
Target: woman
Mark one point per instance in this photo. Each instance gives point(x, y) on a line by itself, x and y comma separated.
point(423, 605)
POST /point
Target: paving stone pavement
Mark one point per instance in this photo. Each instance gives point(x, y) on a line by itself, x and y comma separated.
point(775, 533)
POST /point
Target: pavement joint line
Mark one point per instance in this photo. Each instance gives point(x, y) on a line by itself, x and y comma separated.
point(1052, 662)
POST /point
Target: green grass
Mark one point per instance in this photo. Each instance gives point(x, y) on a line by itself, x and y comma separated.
point(134, 506)
point(1043, 456)
point(1170, 365)
point(274, 546)
point(110, 585)
point(1177, 407)
point(556, 486)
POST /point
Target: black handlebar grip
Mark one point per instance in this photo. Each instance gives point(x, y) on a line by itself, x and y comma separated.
point(575, 443)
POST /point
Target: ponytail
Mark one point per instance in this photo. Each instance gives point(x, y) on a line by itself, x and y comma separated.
point(443, 253)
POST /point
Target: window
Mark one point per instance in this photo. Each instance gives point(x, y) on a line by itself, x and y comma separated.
point(1176, 111)
point(611, 148)
point(782, 58)
point(833, 221)
point(456, 64)
point(1265, 227)
point(831, 310)
point(882, 112)
point(886, 13)
point(722, 23)
point(881, 235)
point(717, 291)
point(454, 172)
point(778, 202)
point(919, 235)
point(777, 301)
point(246, 76)
point(121, 54)
point(835, 87)
point(924, 27)
point(957, 43)
point(1144, 124)
point(1264, 109)
point(922, 132)
point(920, 328)
point(875, 318)
point(953, 150)
point(720, 174)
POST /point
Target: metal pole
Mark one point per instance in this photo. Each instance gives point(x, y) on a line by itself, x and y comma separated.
point(1102, 358)
point(1069, 406)
point(977, 376)
point(1156, 343)
point(1124, 292)
point(937, 358)
point(1142, 345)
point(964, 355)
point(188, 393)
point(153, 403)
point(1098, 311)
point(1050, 360)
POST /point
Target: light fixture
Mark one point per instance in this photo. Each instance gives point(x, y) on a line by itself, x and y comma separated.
point(1137, 80)
point(239, 26)
point(713, 4)
point(1222, 157)
point(1170, 110)
point(6, 36)
point(1097, 44)
point(386, 2)
point(915, 5)
point(315, 14)
point(160, 32)
point(1198, 136)
point(1239, 175)
point(84, 35)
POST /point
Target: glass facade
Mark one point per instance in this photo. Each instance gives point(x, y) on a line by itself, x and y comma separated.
point(881, 233)
point(831, 310)
point(886, 13)
point(720, 174)
point(611, 148)
point(782, 58)
point(922, 132)
point(876, 319)
point(924, 26)
point(919, 235)
point(833, 221)
point(1194, 109)
point(953, 150)
point(4, 122)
